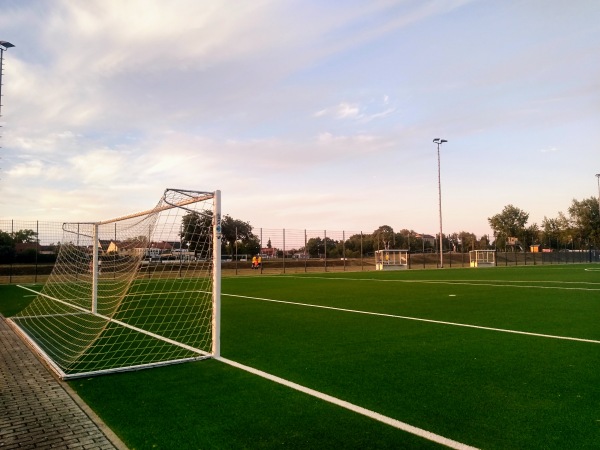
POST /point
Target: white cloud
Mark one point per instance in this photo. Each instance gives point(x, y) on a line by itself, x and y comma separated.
point(356, 112)
point(347, 111)
point(114, 101)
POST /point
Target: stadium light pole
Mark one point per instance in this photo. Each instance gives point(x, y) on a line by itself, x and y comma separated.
point(598, 177)
point(439, 142)
point(4, 45)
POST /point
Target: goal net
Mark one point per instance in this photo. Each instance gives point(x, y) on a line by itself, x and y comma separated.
point(391, 259)
point(482, 258)
point(133, 292)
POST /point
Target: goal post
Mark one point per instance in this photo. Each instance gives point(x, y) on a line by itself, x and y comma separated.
point(391, 259)
point(122, 296)
point(482, 258)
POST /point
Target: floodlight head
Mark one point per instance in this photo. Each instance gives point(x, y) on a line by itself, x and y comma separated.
point(6, 44)
point(439, 141)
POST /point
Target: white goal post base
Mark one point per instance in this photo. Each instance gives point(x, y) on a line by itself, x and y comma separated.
point(391, 259)
point(482, 258)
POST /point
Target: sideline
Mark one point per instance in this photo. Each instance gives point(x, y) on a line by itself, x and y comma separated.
point(352, 407)
point(418, 319)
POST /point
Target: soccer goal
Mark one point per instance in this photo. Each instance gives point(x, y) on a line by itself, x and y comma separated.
point(482, 258)
point(133, 292)
point(391, 259)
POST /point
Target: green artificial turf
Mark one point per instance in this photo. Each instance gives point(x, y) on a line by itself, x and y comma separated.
point(481, 386)
point(13, 299)
point(210, 405)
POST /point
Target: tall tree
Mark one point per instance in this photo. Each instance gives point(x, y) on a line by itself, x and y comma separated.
point(9, 240)
point(585, 219)
point(7, 247)
point(509, 223)
point(234, 230)
point(196, 233)
point(551, 232)
point(531, 235)
point(463, 241)
point(384, 237)
point(23, 236)
point(566, 229)
point(316, 247)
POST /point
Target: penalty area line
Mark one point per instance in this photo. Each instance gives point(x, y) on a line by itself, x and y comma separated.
point(352, 407)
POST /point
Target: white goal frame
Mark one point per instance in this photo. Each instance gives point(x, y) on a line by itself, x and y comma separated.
point(394, 259)
point(482, 258)
point(204, 273)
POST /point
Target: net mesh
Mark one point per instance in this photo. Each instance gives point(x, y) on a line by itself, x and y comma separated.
point(129, 292)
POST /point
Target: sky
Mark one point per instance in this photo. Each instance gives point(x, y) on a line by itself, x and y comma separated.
point(305, 114)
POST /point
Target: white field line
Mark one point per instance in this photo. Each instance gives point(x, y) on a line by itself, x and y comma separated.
point(418, 319)
point(352, 407)
point(45, 316)
point(123, 324)
point(492, 283)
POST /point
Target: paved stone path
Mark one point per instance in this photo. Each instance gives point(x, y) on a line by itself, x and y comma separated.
point(36, 410)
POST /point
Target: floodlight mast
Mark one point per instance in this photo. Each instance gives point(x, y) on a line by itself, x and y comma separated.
point(4, 45)
point(598, 177)
point(439, 142)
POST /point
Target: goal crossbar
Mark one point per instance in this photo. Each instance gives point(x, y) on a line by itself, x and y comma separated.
point(182, 203)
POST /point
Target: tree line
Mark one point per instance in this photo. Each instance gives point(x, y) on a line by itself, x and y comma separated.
point(577, 229)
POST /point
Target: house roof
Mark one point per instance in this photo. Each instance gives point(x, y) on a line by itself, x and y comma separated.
point(161, 245)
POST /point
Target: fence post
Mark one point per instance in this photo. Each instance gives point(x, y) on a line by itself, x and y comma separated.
point(12, 233)
point(305, 254)
point(236, 254)
point(361, 252)
point(37, 248)
point(260, 251)
point(325, 248)
point(344, 248)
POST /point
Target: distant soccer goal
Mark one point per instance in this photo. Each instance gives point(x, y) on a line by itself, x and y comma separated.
point(391, 259)
point(482, 258)
point(133, 292)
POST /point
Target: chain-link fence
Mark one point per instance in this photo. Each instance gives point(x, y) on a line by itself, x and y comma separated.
point(28, 251)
